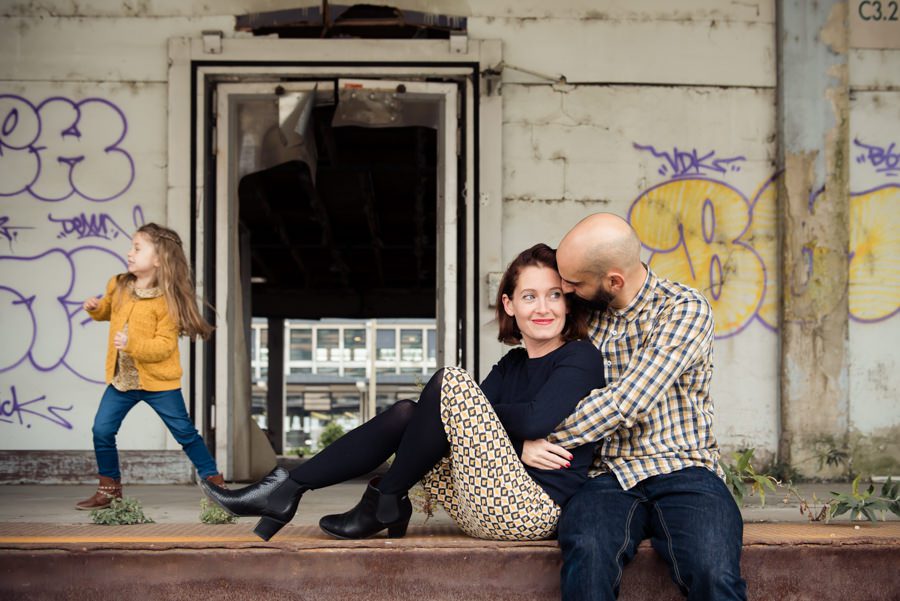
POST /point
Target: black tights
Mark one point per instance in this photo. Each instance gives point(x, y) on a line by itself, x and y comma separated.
point(413, 431)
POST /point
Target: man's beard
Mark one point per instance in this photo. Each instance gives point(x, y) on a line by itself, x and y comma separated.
point(599, 302)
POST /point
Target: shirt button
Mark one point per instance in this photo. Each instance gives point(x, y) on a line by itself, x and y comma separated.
point(609, 364)
point(615, 333)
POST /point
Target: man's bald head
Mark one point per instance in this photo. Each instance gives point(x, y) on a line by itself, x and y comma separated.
point(598, 244)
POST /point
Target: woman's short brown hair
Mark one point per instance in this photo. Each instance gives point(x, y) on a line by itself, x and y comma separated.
point(539, 255)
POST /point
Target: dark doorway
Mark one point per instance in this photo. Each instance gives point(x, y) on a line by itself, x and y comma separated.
point(356, 238)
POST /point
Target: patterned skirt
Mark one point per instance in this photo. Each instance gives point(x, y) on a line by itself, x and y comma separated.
point(482, 483)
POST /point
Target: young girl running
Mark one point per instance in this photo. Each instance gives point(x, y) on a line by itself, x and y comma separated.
point(148, 308)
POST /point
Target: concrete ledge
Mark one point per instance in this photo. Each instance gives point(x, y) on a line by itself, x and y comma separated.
point(80, 467)
point(791, 562)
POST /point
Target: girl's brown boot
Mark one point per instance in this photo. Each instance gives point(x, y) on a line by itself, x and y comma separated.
point(108, 490)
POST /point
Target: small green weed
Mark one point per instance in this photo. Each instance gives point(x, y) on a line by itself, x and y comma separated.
point(422, 502)
point(815, 510)
point(121, 512)
point(867, 503)
point(742, 480)
point(210, 513)
point(741, 475)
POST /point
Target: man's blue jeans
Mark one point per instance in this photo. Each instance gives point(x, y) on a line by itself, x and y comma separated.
point(689, 516)
point(169, 405)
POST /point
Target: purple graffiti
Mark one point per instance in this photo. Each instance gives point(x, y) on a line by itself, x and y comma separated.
point(14, 412)
point(690, 163)
point(61, 147)
point(716, 277)
point(95, 225)
point(883, 159)
point(44, 322)
point(10, 232)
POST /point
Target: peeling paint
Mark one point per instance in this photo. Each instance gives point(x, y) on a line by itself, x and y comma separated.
point(815, 202)
point(815, 329)
point(835, 32)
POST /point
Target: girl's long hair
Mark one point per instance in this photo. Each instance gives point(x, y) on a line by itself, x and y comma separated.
point(175, 279)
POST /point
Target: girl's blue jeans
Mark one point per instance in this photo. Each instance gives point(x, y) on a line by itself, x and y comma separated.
point(169, 405)
point(689, 516)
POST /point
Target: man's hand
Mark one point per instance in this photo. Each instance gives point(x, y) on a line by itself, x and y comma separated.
point(92, 303)
point(545, 455)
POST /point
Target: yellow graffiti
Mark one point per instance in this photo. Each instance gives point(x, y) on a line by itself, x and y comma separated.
point(694, 228)
point(875, 254)
point(707, 235)
point(763, 236)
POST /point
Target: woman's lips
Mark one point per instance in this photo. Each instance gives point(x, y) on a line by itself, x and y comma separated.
point(542, 322)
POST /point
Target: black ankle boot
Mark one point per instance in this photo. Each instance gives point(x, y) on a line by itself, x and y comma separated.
point(274, 499)
point(374, 513)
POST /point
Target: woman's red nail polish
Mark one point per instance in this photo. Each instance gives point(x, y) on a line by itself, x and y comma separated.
point(567, 465)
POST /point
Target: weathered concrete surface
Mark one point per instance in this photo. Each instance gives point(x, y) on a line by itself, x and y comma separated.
point(821, 563)
point(815, 200)
point(180, 505)
point(80, 467)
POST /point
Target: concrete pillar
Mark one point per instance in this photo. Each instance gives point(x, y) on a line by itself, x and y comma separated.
point(813, 149)
point(275, 387)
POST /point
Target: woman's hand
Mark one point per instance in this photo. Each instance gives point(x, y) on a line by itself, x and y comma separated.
point(120, 340)
point(92, 303)
point(545, 455)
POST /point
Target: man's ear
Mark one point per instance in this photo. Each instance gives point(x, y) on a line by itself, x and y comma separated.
point(507, 306)
point(616, 281)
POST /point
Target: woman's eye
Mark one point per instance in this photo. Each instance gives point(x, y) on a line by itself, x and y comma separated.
point(528, 297)
point(556, 295)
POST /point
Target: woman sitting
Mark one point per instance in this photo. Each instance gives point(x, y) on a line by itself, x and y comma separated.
point(462, 441)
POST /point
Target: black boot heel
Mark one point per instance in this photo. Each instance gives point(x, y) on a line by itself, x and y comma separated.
point(397, 530)
point(266, 528)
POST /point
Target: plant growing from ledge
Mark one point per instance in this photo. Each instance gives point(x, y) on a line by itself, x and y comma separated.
point(210, 513)
point(815, 511)
point(740, 476)
point(121, 512)
point(867, 503)
point(828, 452)
point(742, 480)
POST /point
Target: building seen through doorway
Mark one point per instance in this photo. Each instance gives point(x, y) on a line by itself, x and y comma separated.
point(326, 365)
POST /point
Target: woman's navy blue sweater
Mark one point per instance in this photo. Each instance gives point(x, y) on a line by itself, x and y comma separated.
point(533, 396)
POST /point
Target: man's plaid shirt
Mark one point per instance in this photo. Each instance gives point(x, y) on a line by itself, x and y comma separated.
point(655, 416)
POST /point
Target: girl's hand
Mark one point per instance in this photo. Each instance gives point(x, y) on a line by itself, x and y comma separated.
point(545, 455)
point(120, 340)
point(92, 303)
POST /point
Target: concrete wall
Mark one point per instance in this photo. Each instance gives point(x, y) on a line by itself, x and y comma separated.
point(875, 259)
point(662, 112)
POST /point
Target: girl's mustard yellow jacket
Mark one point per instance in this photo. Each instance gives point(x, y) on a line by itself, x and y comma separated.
point(152, 337)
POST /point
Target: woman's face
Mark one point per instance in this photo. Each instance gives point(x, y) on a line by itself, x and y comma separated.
point(538, 305)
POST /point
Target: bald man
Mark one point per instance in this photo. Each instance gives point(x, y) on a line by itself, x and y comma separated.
point(655, 473)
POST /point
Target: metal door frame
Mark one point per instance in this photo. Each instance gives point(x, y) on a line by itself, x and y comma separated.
point(195, 63)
